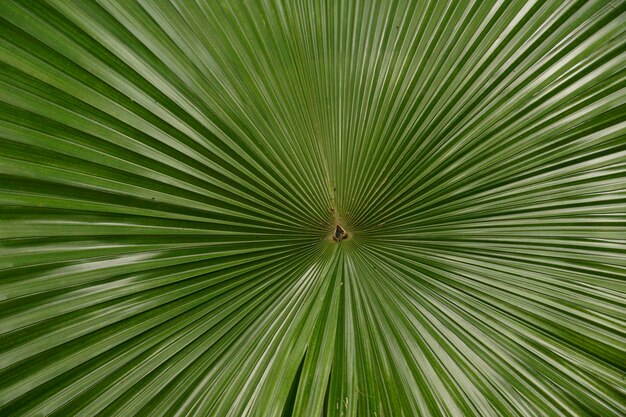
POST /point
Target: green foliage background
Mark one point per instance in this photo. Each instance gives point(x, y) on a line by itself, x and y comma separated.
point(171, 174)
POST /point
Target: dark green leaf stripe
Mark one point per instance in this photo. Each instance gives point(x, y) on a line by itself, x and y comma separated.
point(172, 175)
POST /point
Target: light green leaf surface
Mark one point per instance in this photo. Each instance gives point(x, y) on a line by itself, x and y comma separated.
point(171, 174)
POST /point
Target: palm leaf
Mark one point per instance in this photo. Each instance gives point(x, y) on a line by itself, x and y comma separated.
point(172, 176)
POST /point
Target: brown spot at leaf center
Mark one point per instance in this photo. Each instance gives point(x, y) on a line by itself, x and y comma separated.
point(339, 234)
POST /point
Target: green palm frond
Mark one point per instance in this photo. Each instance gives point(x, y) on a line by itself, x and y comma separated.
point(278, 208)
